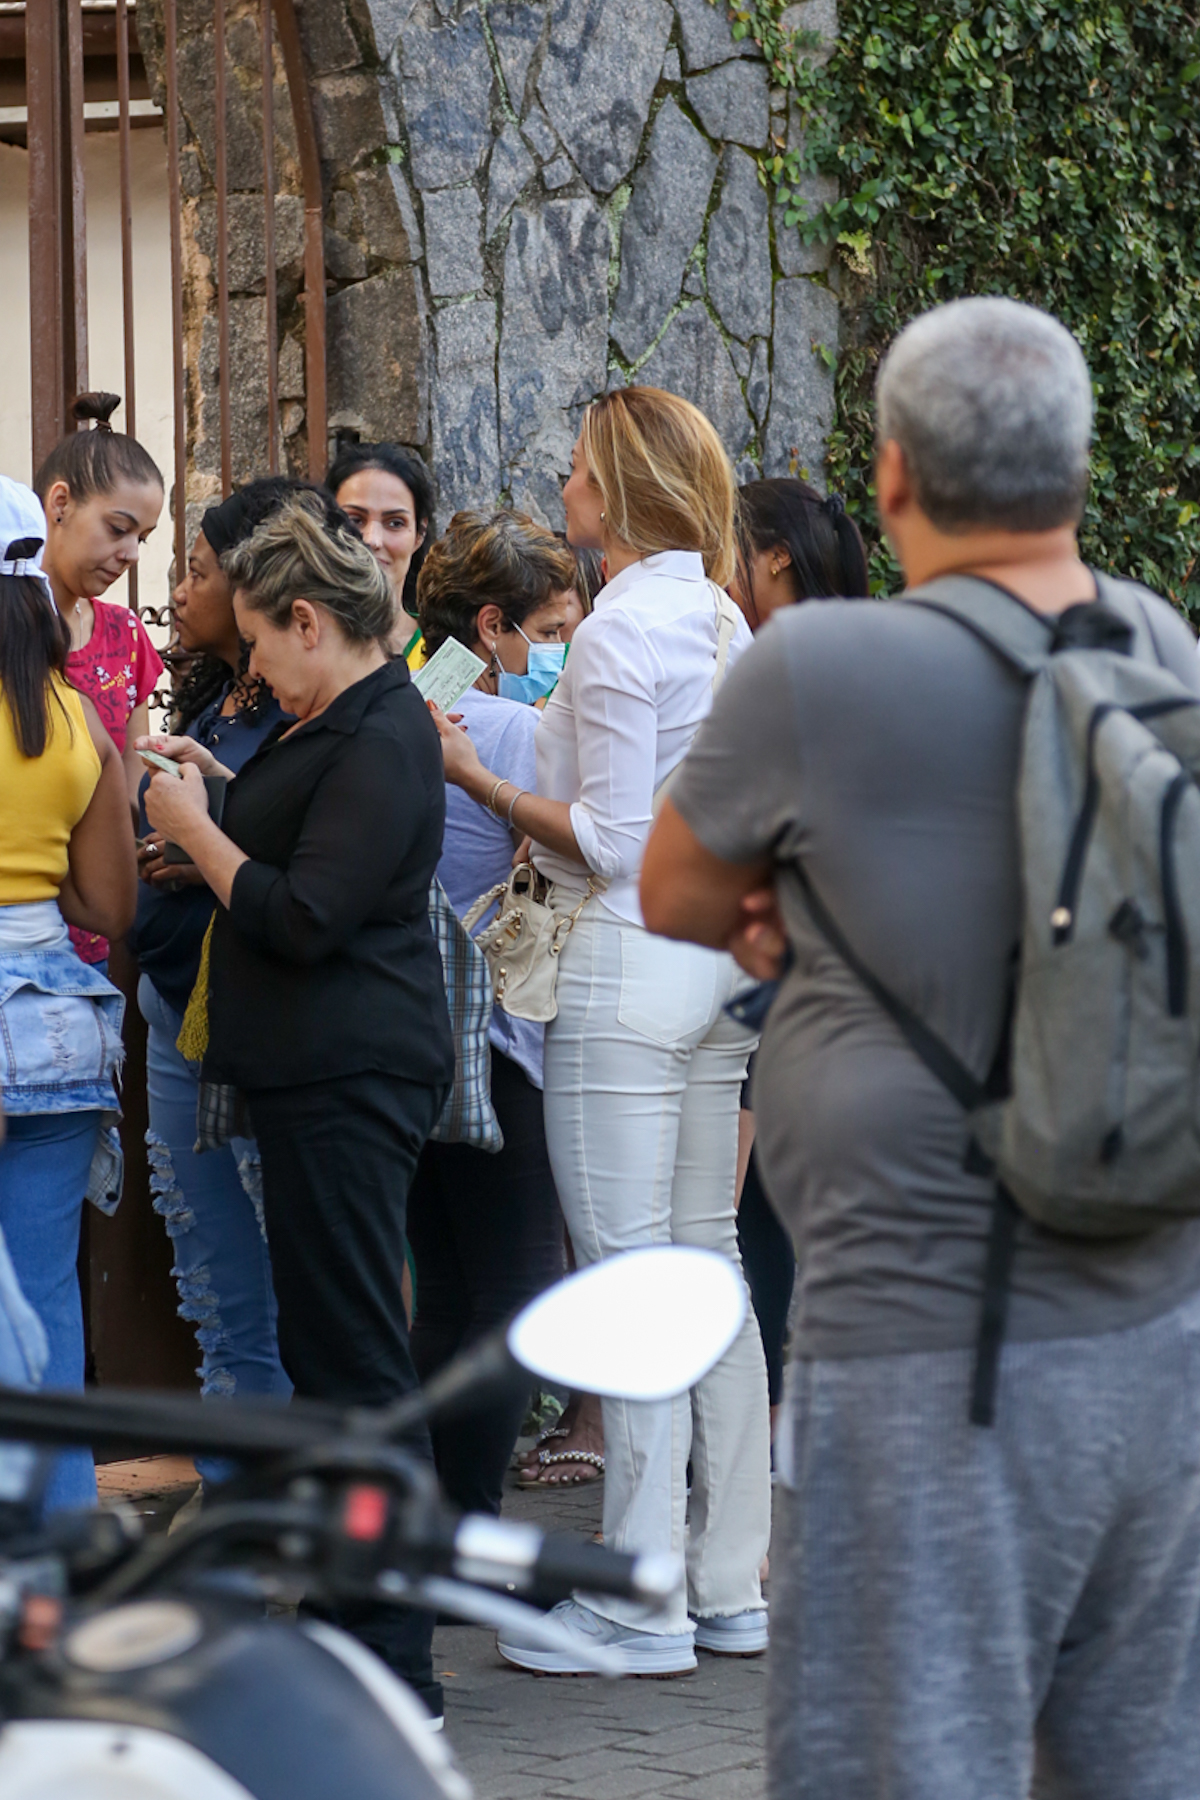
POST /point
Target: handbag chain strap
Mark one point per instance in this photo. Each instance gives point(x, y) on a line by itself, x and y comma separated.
point(566, 925)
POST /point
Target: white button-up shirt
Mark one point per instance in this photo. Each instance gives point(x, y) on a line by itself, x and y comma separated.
point(636, 688)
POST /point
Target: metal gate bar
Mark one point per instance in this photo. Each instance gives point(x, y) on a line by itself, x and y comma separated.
point(314, 238)
point(126, 207)
point(58, 240)
point(175, 218)
point(272, 324)
point(57, 224)
point(222, 179)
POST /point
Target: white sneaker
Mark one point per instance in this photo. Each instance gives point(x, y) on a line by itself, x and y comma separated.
point(643, 1652)
point(737, 1634)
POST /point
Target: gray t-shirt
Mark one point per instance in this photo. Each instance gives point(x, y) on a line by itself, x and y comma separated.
point(879, 743)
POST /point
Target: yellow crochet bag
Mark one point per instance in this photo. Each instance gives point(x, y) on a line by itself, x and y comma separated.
point(192, 1041)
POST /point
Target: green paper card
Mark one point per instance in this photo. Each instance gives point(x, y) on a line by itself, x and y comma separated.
point(448, 674)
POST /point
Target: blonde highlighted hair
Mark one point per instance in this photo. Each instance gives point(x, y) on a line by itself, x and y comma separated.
point(665, 479)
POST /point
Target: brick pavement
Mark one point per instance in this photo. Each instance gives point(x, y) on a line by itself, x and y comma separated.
point(524, 1737)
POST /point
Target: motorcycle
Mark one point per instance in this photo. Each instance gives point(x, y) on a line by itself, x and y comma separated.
point(149, 1670)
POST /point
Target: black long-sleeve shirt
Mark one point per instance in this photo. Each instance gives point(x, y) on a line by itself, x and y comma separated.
point(325, 964)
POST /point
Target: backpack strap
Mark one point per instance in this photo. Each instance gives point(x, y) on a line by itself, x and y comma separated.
point(970, 1092)
point(999, 619)
point(1124, 598)
point(993, 1316)
point(937, 1055)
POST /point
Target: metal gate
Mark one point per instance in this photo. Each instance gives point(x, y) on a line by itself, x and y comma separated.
point(55, 34)
point(134, 1335)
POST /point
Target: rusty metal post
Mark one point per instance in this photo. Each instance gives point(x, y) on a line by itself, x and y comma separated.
point(316, 404)
point(126, 192)
point(57, 223)
point(75, 215)
point(175, 210)
point(222, 177)
point(268, 128)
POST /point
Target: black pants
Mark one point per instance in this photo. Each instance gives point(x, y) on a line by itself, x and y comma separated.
point(337, 1161)
point(769, 1262)
point(486, 1236)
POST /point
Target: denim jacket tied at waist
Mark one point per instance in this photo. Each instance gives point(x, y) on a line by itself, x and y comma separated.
point(60, 1034)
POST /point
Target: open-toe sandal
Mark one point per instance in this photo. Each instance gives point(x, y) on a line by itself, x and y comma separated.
point(527, 1459)
point(548, 1459)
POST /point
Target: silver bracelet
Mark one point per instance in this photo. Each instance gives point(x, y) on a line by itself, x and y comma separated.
point(490, 802)
point(519, 795)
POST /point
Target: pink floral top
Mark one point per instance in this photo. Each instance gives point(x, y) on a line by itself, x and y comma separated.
point(117, 669)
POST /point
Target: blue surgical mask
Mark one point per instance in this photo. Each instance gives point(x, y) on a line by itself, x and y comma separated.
point(541, 676)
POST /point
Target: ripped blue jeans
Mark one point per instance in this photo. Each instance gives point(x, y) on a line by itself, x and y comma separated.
point(212, 1205)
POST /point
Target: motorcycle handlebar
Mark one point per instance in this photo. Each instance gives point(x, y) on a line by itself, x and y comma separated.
point(502, 1553)
point(182, 1423)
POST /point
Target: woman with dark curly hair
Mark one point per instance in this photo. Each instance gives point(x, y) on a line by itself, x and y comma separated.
point(212, 1204)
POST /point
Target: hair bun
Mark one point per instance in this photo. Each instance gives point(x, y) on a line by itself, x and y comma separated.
point(96, 406)
point(834, 505)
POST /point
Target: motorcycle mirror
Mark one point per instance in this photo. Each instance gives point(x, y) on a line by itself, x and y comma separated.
point(643, 1326)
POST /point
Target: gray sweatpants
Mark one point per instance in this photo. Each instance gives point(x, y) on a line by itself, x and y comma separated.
point(948, 1598)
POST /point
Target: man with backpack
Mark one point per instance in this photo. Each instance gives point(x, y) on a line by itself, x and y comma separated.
point(969, 816)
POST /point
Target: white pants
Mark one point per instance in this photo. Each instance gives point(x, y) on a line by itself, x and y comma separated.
point(643, 1079)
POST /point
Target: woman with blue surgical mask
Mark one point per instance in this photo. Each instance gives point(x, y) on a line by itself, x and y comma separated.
point(543, 666)
point(525, 659)
point(485, 1229)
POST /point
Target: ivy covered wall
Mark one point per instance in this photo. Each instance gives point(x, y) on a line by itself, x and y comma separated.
point(1047, 149)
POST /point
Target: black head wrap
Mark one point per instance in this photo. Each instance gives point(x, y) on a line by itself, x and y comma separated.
point(227, 524)
point(234, 519)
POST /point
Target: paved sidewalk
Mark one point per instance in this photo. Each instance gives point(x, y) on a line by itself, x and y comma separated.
point(525, 1737)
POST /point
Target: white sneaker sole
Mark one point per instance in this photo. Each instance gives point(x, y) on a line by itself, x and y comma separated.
point(651, 1661)
point(727, 1643)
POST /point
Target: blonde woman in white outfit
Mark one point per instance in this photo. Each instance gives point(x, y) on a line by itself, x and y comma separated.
point(643, 1066)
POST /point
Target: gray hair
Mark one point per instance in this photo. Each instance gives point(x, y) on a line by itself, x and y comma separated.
point(991, 403)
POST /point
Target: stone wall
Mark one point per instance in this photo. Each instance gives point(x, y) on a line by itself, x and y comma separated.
point(527, 202)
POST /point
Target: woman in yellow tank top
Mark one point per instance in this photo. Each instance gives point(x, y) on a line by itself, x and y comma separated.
point(66, 856)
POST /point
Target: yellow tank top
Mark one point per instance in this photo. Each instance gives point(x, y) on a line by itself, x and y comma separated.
point(43, 798)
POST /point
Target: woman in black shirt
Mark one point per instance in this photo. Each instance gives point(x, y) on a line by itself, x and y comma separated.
point(325, 999)
point(211, 1203)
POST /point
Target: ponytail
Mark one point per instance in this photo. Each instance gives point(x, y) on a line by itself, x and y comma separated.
point(34, 644)
point(93, 462)
point(827, 553)
point(851, 551)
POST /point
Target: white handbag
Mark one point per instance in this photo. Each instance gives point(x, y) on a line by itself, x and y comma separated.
point(535, 917)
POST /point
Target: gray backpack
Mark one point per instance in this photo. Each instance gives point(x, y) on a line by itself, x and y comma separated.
point(1090, 1119)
